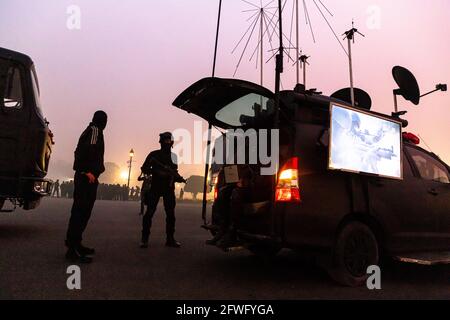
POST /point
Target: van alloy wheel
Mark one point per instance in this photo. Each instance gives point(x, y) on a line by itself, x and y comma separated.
point(359, 250)
point(356, 249)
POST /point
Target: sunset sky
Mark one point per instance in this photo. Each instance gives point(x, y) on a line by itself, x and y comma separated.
point(132, 58)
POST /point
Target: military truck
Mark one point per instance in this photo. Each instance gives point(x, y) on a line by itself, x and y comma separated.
point(25, 138)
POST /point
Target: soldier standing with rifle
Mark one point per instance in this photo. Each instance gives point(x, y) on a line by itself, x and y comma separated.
point(162, 166)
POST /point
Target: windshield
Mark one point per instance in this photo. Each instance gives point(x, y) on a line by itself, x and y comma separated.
point(245, 110)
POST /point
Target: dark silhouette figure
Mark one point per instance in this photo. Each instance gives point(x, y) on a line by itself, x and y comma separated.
point(56, 189)
point(181, 194)
point(162, 166)
point(88, 166)
point(146, 183)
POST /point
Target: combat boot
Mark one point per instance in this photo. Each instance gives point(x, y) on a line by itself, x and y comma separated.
point(143, 245)
point(216, 238)
point(171, 242)
point(74, 256)
point(85, 251)
point(144, 242)
point(229, 239)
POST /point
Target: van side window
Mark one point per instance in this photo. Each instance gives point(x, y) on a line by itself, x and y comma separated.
point(10, 85)
point(428, 167)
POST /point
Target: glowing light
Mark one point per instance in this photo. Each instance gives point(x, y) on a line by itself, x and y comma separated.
point(124, 175)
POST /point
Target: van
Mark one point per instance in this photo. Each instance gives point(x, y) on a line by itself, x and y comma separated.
point(352, 219)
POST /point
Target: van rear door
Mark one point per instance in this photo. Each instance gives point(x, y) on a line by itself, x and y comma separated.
point(222, 102)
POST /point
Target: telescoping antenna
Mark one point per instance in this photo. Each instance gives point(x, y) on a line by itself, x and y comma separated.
point(350, 36)
point(303, 62)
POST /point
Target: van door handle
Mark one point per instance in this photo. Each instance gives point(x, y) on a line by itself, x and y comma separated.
point(433, 191)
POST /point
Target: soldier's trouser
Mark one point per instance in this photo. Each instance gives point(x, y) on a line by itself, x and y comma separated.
point(153, 196)
point(84, 196)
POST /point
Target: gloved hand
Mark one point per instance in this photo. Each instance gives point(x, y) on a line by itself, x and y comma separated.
point(91, 177)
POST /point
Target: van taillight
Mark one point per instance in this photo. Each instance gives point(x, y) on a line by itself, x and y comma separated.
point(287, 189)
point(215, 187)
point(215, 192)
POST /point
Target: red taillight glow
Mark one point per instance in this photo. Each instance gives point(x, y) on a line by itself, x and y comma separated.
point(215, 192)
point(287, 189)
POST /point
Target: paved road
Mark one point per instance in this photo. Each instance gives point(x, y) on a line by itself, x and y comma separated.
point(32, 264)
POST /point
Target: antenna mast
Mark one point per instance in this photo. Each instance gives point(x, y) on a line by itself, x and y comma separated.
point(279, 65)
point(304, 61)
point(350, 36)
point(297, 43)
point(208, 143)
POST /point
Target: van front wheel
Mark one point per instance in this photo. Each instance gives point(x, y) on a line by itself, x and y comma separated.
point(356, 249)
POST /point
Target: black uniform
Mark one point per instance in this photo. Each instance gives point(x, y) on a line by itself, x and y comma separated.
point(161, 164)
point(88, 158)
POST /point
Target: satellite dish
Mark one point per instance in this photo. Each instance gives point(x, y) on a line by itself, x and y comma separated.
point(362, 98)
point(407, 83)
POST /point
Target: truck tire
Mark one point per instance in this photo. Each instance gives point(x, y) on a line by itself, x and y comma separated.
point(356, 249)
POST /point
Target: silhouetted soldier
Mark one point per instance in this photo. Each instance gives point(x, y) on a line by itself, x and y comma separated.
point(162, 165)
point(88, 166)
point(56, 191)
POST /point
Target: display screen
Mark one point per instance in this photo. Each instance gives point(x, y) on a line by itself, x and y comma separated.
point(364, 143)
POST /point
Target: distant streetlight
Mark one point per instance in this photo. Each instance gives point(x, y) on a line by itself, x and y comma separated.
point(130, 162)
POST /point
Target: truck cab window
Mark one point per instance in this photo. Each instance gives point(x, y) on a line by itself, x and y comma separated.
point(429, 168)
point(10, 86)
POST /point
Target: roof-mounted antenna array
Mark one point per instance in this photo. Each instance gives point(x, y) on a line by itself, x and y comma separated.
point(261, 19)
point(350, 36)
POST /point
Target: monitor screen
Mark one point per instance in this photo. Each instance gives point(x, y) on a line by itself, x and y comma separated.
point(364, 143)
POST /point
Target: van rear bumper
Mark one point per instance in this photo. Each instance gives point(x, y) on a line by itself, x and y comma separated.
point(24, 187)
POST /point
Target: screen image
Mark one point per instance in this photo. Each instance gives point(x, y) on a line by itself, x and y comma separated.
point(364, 143)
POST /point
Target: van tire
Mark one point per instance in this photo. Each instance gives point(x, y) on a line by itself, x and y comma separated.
point(356, 249)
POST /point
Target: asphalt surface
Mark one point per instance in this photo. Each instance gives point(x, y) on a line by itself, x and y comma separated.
point(32, 264)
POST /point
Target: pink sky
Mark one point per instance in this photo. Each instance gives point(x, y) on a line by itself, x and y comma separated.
point(131, 58)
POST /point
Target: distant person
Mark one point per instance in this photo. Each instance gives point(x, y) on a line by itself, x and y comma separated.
point(70, 187)
point(181, 194)
point(88, 166)
point(56, 189)
point(137, 193)
point(63, 188)
point(125, 192)
point(162, 166)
